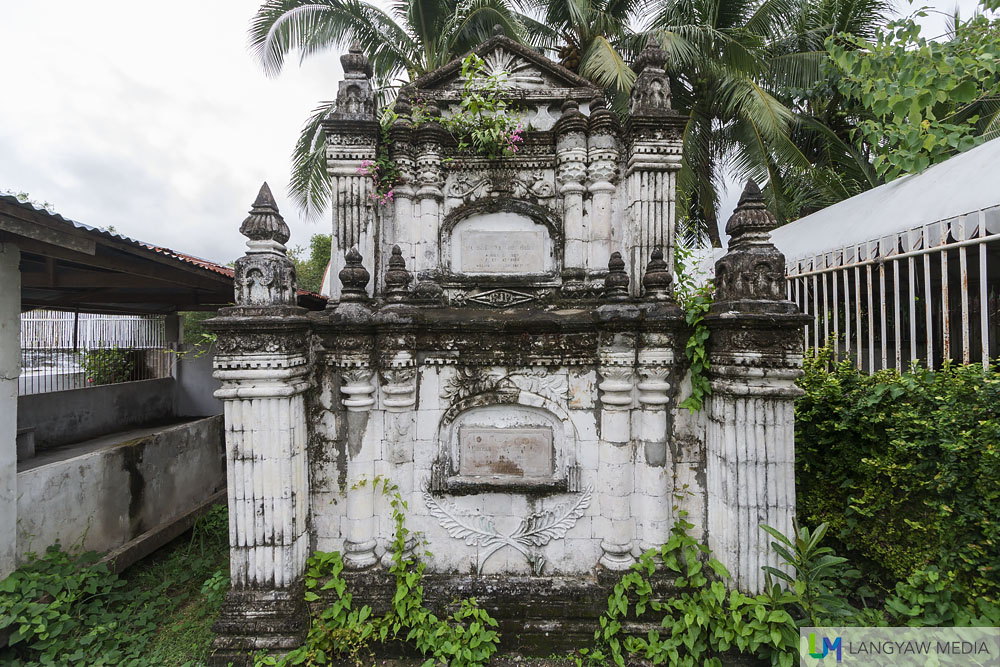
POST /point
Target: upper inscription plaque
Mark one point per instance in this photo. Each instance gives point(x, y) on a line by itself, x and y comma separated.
point(516, 452)
point(502, 252)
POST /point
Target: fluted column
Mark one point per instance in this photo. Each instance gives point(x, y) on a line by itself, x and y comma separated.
point(602, 173)
point(353, 355)
point(755, 356)
point(654, 157)
point(263, 363)
point(652, 498)
point(430, 179)
point(571, 172)
point(406, 230)
point(352, 133)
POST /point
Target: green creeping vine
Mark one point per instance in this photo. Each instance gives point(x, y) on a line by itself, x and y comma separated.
point(466, 639)
point(695, 299)
point(699, 622)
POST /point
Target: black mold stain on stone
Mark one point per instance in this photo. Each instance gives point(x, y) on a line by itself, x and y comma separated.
point(656, 454)
point(356, 423)
point(131, 460)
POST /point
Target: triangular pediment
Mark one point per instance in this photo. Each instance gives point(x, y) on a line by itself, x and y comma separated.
point(527, 70)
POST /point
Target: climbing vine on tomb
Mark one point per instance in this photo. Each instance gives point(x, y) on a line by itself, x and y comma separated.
point(466, 638)
point(695, 299)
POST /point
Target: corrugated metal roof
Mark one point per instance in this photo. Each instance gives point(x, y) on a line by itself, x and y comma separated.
point(205, 264)
point(965, 183)
point(167, 252)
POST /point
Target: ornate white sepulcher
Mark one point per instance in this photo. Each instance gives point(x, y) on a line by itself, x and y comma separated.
point(504, 346)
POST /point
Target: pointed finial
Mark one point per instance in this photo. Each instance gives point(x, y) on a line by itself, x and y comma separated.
point(616, 282)
point(264, 222)
point(657, 279)
point(751, 221)
point(397, 278)
point(354, 278)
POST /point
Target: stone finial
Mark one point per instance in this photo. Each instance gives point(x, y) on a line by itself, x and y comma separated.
point(355, 97)
point(397, 278)
point(653, 56)
point(657, 279)
point(402, 106)
point(498, 30)
point(616, 282)
point(752, 270)
point(751, 222)
point(354, 277)
point(264, 222)
point(355, 63)
point(651, 92)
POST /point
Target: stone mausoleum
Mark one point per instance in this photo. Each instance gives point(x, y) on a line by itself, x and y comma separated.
point(504, 346)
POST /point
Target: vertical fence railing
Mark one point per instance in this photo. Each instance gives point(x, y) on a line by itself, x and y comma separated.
point(61, 350)
point(927, 294)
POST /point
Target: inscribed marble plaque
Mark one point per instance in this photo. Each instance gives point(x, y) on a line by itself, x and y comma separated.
point(518, 452)
point(502, 252)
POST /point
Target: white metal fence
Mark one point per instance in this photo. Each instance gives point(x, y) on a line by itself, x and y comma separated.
point(926, 294)
point(61, 350)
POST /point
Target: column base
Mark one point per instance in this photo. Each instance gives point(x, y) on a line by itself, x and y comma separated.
point(616, 557)
point(253, 621)
point(359, 555)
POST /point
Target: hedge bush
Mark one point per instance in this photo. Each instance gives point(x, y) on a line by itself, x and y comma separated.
point(905, 468)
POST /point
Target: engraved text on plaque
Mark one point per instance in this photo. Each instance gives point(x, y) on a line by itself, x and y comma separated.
point(502, 252)
point(517, 452)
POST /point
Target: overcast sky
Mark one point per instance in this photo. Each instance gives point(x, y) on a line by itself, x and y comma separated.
point(152, 117)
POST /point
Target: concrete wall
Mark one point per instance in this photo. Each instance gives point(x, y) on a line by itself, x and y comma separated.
point(196, 386)
point(104, 498)
point(10, 368)
point(78, 414)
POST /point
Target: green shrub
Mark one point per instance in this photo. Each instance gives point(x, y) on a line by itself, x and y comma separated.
point(905, 469)
point(109, 366)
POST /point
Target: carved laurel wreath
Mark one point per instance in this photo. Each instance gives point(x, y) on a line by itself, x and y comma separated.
point(535, 530)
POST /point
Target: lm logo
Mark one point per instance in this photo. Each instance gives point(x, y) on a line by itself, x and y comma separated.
point(825, 649)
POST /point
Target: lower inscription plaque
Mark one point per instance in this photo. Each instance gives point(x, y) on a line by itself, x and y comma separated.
point(515, 452)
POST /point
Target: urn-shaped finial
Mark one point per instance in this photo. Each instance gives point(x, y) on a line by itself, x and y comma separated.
point(355, 63)
point(652, 56)
point(657, 279)
point(354, 277)
point(616, 282)
point(397, 278)
point(264, 222)
point(751, 222)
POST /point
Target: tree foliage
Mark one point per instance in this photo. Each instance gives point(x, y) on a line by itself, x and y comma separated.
point(921, 101)
point(310, 270)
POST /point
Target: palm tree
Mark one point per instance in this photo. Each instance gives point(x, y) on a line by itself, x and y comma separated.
point(722, 65)
point(593, 37)
point(416, 37)
point(839, 168)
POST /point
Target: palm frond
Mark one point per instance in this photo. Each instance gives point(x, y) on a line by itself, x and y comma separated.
point(281, 26)
point(309, 186)
point(602, 64)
